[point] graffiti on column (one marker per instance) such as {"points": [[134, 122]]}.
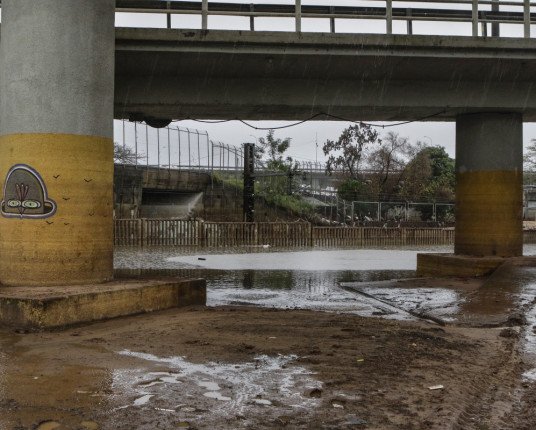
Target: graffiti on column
{"points": [[25, 195]]}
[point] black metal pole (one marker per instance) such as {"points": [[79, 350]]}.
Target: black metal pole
{"points": [[249, 182]]}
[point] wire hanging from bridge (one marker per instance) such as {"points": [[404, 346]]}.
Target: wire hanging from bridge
{"points": [[313, 117]]}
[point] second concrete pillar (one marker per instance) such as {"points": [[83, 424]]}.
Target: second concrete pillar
{"points": [[489, 191]]}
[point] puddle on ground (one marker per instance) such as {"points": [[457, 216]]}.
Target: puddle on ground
{"points": [[206, 393], [305, 260], [308, 280]]}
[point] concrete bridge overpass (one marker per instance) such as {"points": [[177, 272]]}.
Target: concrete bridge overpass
{"points": [[178, 74], [66, 72]]}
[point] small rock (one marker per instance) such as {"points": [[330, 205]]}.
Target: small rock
{"points": [[48, 425], [516, 319], [509, 333], [89, 425], [187, 409], [315, 393], [355, 421]]}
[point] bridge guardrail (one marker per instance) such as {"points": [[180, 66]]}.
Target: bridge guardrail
{"points": [[477, 12]]}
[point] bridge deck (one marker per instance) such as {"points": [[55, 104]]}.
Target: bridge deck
{"points": [[222, 74]]}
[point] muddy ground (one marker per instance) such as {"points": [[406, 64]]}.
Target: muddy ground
{"points": [[232, 368]]}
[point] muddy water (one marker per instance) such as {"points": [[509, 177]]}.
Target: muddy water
{"points": [[279, 279], [308, 279]]}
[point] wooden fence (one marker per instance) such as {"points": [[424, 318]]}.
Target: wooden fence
{"points": [[167, 232], [378, 236], [277, 234]]}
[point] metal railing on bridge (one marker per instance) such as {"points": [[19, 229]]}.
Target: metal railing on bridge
{"points": [[479, 13]]}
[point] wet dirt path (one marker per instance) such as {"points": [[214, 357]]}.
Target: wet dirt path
{"points": [[251, 368]]}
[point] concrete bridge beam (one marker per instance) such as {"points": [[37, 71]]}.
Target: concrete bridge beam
{"points": [[489, 194], [56, 141]]}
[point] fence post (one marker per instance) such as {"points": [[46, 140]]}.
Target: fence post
{"points": [[332, 20], [204, 15], [475, 18], [526, 15], [143, 238], [252, 17], [297, 10], [409, 22], [168, 15], [495, 27], [201, 240], [389, 16]]}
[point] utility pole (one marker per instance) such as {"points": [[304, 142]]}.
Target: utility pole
{"points": [[249, 182]]}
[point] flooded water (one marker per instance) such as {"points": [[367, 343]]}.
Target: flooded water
{"points": [[280, 279], [313, 279]]}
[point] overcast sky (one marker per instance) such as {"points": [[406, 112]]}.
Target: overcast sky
{"points": [[304, 136]]}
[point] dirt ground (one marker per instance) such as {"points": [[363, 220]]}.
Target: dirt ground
{"points": [[231, 368]]}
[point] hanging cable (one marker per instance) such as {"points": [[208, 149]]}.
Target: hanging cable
{"points": [[313, 117]]}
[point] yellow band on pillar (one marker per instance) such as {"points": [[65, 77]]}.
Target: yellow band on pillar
{"points": [[491, 222], [62, 234]]}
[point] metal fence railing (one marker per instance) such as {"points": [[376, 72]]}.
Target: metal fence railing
{"points": [[477, 13], [177, 148], [182, 148]]}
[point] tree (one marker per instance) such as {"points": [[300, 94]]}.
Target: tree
{"points": [[388, 160], [125, 155], [272, 150], [429, 175], [347, 152]]}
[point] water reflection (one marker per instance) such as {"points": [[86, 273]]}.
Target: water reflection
{"points": [[307, 281]]}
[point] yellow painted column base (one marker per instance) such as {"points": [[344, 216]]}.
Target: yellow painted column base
{"points": [[489, 213], [56, 223]]}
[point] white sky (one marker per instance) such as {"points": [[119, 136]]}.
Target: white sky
{"points": [[304, 136]]}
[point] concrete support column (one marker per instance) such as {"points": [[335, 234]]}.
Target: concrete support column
{"points": [[489, 193], [56, 141]]}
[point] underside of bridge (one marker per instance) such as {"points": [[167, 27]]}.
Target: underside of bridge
{"points": [[57, 106], [217, 74]]}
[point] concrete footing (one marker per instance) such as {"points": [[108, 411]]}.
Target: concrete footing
{"points": [[445, 265], [38, 308]]}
